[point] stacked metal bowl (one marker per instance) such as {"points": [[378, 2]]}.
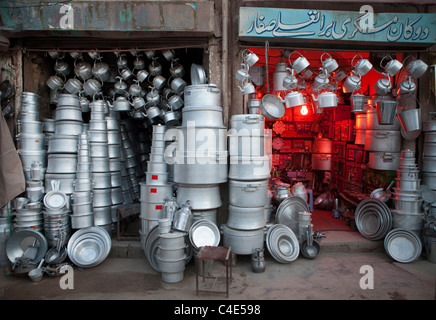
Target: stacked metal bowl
{"points": [[57, 226], [373, 219], [156, 189], [403, 245], [31, 139], [282, 243], [408, 213], [82, 208], [100, 170], [89, 247]]}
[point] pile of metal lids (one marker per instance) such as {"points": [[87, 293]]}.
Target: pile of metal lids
{"points": [[373, 219]]}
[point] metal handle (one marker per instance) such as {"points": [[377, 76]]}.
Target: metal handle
{"points": [[251, 188]]}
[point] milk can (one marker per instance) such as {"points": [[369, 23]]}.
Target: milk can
{"points": [[183, 218], [279, 75]]}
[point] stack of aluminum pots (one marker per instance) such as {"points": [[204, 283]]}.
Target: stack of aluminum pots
{"points": [[130, 155], [429, 159], [408, 213], [82, 208], [248, 182], [31, 139], [101, 176], [200, 162], [63, 145], [114, 148], [171, 255], [156, 189], [126, 181], [383, 142]]}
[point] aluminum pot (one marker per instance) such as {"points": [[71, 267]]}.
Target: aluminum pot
{"points": [[249, 123], [408, 185], [114, 151], [68, 113], [201, 138], [116, 179], [243, 218], [26, 116], [322, 145], [151, 210], [409, 206], [29, 156], [201, 197], [244, 242], [61, 163], [360, 123], [102, 180], [31, 141], [156, 178], [100, 165], [202, 95], [321, 161], [115, 164], [430, 137], [68, 100], [384, 160], [30, 126], [81, 221], [62, 144], [429, 149], [429, 164], [67, 127], [97, 125], [99, 150], [429, 179], [102, 198], [82, 185], [206, 116], [201, 170], [102, 215], [383, 141], [248, 194], [249, 168], [117, 196], [97, 136]]}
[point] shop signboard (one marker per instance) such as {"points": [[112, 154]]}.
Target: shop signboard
{"points": [[366, 26]]}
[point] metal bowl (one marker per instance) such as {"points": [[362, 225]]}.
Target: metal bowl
{"points": [[21, 240]]}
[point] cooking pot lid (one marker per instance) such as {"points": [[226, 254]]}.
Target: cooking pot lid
{"points": [[287, 212], [198, 75]]}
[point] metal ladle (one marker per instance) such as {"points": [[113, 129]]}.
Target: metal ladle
{"points": [[310, 248]]}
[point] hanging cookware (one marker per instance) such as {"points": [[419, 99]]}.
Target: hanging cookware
{"points": [[55, 82], [153, 96], [126, 74], [122, 61], [392, 67], [83, 70], [121, 104], [142, 75], [383, 86], [362, 66], [159, 82], [326, 100], [300, 64], [178, 85], [73, 86], [177, 69], [138, 63], [168, 54], [407, 86], [101, 71], [321, 81], [120, 86], [352, 83], [155, 68], [357, 103], [135, 89], [91, 87], [280, 73], [290, 81], [386, 111], [329, 64], [62, 67], [272, 107], [410, 120], [416, 68]]}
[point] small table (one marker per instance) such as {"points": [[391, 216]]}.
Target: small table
{"points": [[219, 253]]}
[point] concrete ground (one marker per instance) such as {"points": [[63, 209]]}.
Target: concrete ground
{"points": [[336, 274]]}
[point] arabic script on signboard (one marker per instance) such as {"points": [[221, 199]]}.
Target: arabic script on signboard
{"points": [[390, 27]]}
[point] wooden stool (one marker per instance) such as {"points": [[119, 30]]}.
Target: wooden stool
{"points": [[215, 253]]}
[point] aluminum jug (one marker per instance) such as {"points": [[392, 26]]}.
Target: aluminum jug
{"points": [[183, 218], [170, 208]]}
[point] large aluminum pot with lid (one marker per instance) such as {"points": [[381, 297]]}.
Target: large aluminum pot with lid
{"points": [[207, 116], [31, 141], [383, 140], [248, 193], [384, 160], [246, 168], [68, 113], [61, 163], [201, 197], [68, 100], [322, 145], [248, 122], [63, 144], [202, 95], [244, 242], [243, 218]]}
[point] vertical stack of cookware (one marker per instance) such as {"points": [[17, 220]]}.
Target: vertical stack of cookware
{"points": [[63, 145], [101, 176], [248, 184], [126, 181], [57, 226], [429, 156], [200, 160], [360, 127], [130, 154], [383, 142], [408, 213], [114, 149], [171, 256], [156, 189], [31, 140], [82, 208]]}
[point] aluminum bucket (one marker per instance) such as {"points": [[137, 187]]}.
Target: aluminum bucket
{"points": [[386, 111], [410, 120]]}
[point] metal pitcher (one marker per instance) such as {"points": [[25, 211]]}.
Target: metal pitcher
{"points": [[183, 218]]}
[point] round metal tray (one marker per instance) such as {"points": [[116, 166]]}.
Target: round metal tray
{"points": [[204, 233]]}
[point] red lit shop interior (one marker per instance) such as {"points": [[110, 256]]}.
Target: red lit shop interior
{"points": [[329, 137]]}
